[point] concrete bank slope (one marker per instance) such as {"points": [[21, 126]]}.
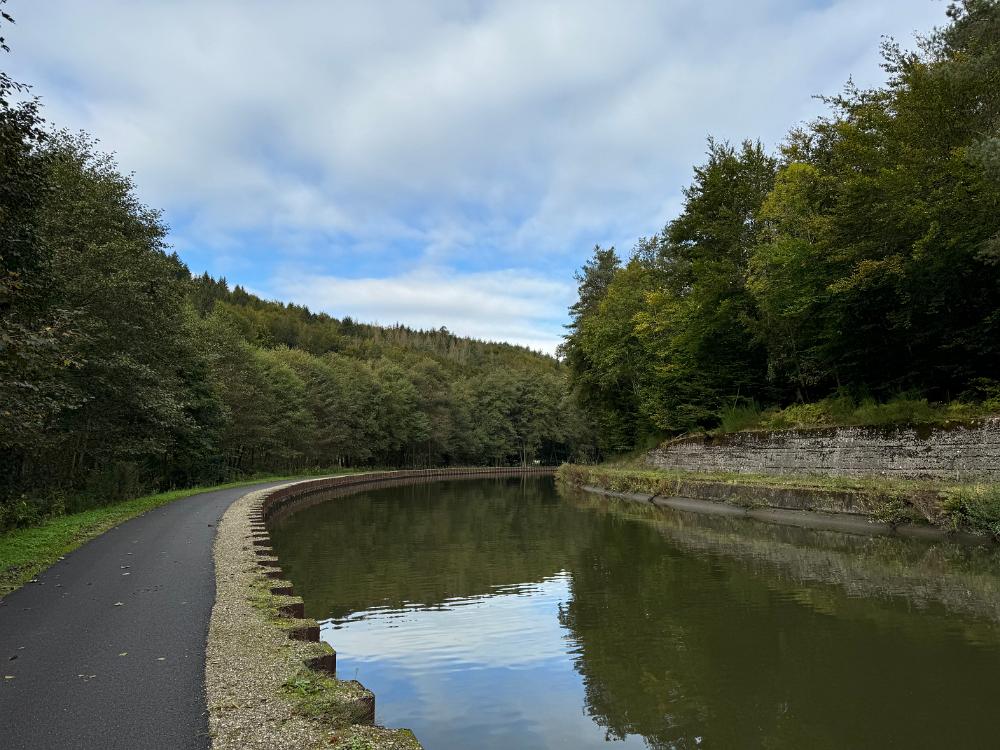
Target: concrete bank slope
{"points": [[967, 513], [271, 685], [107, 649]]}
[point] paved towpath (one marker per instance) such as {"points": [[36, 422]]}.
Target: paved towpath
{"points": [[107, 650]]}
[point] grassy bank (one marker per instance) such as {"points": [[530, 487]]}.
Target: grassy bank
{"points": [[846, 411], [26, 552], [971, 508]]}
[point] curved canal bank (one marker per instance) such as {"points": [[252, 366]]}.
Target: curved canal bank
{"points": [[964, 512], [270, 682]]}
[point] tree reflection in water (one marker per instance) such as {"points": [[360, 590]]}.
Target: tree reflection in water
{"points": [[501, 605]]}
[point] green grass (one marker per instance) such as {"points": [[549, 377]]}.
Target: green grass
{"points": [[26, 552], [362, 737], [326, 699], [743, 416], [975, 507], [838, 411]]}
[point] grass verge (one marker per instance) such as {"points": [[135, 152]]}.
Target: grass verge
{"points": [[26, 552]]}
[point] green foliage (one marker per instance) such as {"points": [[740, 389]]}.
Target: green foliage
{"points": [[975, 508], [604, 381], [844, 410], [860, 260], [335, 702], [661, 345], [120, 374], [739, 416]]}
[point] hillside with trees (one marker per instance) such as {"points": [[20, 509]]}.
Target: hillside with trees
{"points": [[121, 373], [859, 262]]}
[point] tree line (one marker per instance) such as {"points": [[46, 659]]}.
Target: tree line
{"points": [[862, 258], [121, 373]]}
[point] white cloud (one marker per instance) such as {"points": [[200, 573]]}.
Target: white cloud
{"points": [[508, 305], [473, 134], [406, 636]]}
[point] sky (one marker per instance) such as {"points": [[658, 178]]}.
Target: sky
{"points": [[433, 163]]}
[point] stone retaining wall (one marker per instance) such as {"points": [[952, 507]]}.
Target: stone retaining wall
{"points": [[955, 452]]}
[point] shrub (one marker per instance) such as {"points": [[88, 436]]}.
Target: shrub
{"points": [[975, 508], [743, 415]]}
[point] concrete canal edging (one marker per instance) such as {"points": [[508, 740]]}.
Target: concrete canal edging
{"points": [[270, 683], [911, 509], [851, 523]]}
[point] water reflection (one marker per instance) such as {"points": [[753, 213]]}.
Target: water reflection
{"points": [[958, 577], [467, 671], [496, 614]]}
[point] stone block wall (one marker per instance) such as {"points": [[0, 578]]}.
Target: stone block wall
{"points": [[955, 452]]}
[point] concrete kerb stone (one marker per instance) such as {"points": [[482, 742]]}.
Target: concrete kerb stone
{"points": [[302, 629], [289, 606], [325, 663], [282, 588]]}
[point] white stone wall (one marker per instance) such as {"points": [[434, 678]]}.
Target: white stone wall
{"points": [[970, 451]]}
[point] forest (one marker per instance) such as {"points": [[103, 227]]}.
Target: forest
{"points": [[860, 263], [121, 373]]}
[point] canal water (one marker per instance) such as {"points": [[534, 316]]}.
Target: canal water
{"points": [[516, 614]]}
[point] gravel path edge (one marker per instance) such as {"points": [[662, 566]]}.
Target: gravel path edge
{"points": [[270, 684]]}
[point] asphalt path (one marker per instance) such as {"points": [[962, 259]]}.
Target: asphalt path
{"points": [[107, 649]]}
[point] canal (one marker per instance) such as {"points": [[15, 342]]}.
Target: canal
{"points": [[514, 613]]}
